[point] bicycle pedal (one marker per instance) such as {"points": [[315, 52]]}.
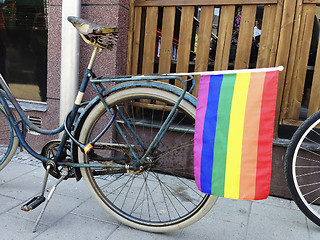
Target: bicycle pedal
{"points": [[33, 203]]}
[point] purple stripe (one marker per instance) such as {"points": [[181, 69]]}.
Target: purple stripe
{"points": [[209, 133], [200, 117]]}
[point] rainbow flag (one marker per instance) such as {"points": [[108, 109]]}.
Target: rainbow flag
{"points": [[234, 132]]}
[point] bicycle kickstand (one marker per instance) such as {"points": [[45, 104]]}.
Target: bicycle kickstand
{"points": [[64, 174], [36, 201]]}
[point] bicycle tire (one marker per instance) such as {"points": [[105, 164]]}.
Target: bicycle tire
{"points": [[8, 140], [175, 192], [302, 167]]}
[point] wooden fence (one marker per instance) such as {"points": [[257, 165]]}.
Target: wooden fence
{"points": [[186, 35]]}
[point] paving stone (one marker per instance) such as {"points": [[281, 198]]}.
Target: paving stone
{"points": [[123, 232], [14, 170], [58, 207], [278, 213], [265, 226], [15, 228], [92, 209], [7, 203], [76, 227], [73, 214]]}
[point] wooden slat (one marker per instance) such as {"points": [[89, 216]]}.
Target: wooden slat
{"points": [[301, 62], [204, 39], [247, 22], [224, 37], [283, 51], [168, 21], [291, 60], [136, 40], [150, 40], [185, 35], [295, 123], [130, 37], [166, 39], [163, 3], [311, 1], [158, 107], [276, 33], [267, 31], [314, 104]]}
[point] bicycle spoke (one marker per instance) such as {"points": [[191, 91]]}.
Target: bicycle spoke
{"points": [[312, 152], [164, 199], [312, 141], [108, 184], [174, 193], [163, 189], [308, 174], [309, 184], [315, 200], [125, 198], [308, 193], [136, 201], [148, 189], [307, 167], [176, 148]]}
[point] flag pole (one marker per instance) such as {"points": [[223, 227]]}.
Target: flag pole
{"points": [[280, 68]]}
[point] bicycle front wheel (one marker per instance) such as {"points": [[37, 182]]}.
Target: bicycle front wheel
{"points": [[161, 195], [8, 140], [302, 167]]}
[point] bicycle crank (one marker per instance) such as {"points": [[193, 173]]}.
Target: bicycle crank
{"points": [[50, 150]]}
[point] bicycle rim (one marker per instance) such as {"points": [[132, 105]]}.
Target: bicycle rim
{"points": [[303, 168], [163, 196]]}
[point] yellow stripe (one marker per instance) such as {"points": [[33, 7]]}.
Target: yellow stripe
{"points": [[233, 161]]}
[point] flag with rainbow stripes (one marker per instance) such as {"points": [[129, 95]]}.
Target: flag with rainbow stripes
{"points": [[233, 133]]}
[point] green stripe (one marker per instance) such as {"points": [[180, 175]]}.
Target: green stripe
{"points": [[221, 138]]}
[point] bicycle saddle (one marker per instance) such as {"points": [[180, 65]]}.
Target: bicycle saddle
{"points": [[95, 34]]}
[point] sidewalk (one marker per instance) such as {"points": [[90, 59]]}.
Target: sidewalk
{"points": [[73, 214]]}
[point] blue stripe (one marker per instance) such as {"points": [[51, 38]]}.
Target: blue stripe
{"points": [[209, 132]]}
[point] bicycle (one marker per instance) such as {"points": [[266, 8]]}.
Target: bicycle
{"points": [[130, 144], [302, 168]]}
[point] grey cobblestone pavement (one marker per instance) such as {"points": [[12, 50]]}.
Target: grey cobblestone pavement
{"points": [[73, 214]]}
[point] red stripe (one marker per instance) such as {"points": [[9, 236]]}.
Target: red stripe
{"points": [[266, 135]]}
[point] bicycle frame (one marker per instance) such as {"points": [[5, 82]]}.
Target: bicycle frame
{"points": [[129, 81], [21, 133]]}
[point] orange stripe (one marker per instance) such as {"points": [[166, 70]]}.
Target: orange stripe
{"points": [[250, 137]]}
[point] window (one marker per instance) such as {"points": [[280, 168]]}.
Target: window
{"points": [[23, 47]]}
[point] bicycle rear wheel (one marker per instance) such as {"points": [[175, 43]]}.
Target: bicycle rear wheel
{"points": [[8, 140], [302, 167], [162, 195]]}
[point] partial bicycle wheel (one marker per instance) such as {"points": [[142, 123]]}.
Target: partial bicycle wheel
{"points": [[302, 167], [161, 195], [8, 140]]}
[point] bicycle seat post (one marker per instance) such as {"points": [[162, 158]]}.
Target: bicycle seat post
{"points": [[96, 50]]}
